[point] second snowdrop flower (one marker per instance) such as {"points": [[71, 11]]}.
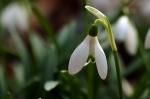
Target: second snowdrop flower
{"points": [[127, 33], [90, 47], [15, 16]]}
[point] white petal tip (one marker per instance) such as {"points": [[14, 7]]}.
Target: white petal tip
{"points": [[132, 50], [103, 73], [72, 72], [101, 61], [103, 77]]}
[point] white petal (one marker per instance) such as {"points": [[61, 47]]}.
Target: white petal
{"points": [[147, 40], [15, 16], [131, 40], [120, 28], [126, 32], [49, 85], [86, 63], [127, 87], [79, 56], [101, 61]]}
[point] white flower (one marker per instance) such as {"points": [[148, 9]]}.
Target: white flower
{"points": [[126, 32], [127, 88], [147, 40], [15, 16], [89, 47]]}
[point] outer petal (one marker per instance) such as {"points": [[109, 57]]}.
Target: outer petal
{"points": [[120, 28], [147, 40], [131, 40], [101, 61], [15, 16], [79, 56]]}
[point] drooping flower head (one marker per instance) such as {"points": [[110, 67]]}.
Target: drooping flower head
{"points": [[126, 32], [89, 47], [103, 20], [15, 16]]}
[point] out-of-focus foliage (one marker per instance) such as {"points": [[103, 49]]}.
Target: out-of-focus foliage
{"points": [[35, 67]]}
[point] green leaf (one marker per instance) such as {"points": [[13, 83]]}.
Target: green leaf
{"points": [[46, 26], [51, 62], [38, 48], [66, 33], [22, 52], [43, 21], [3, 84], [9, 96]]}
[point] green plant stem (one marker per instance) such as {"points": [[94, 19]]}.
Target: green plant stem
{"points": [[116, 58], [108, 28], [90, 81], [102, 19]]}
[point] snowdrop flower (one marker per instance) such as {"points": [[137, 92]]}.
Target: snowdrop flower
{"points": [[90, 47], [15, 16], [127, 88], [126, 32], [147, 40]]}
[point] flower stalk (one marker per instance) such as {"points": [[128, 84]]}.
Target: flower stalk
{"points": [[107, 25], [102, 19], [90, 81], [116, 58]]}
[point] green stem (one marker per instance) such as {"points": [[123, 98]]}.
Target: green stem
{"points": [[108, 28], [116, 58], [90, 81], [110, 35]]}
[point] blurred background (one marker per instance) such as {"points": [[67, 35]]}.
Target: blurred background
{"points": [[37, 38]]}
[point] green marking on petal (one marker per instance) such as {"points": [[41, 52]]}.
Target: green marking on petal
{"points": [[91, 59]]}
